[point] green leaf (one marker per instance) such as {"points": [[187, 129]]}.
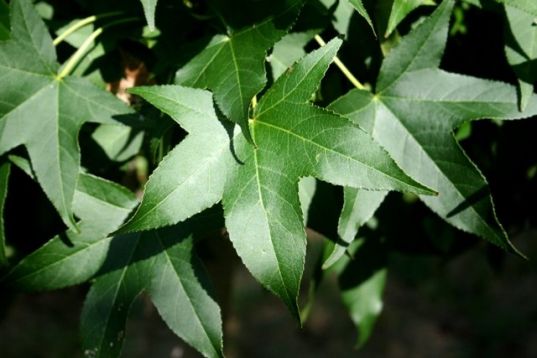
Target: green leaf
{"points": [[4, 20], [5, 168], [529, 6], [414, 112], [287, 51], [149, 12], [163, 264], [71, 258], [362, 280], [358, 207], [44, 113], [359, 6], [233, 65], [120, 143], [521, 50], [258, 184], [400, 9]]}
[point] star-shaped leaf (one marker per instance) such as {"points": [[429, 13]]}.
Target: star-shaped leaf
{"points": [[159, 262], [163, 264], [73, 257], [413, 113], [43, 112], [258, 184], [233, 65]]}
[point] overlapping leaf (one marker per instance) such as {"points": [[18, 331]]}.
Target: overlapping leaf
{"points": [[73, 257], [258, 184], [233, 65], [362, 279], [163, 264], [159, 262], [413, 113], [521, 50], [41, 111]]}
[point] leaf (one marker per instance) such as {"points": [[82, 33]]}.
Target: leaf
{"points": [[529, 6], [233, 65], [5, 168], [162, 263], [359, 6], [413, 114], [71, 258], [362, 280], [287, 51], [400, 9], [358, 207], [44, 113], [258, 184], [120, 143], [4, 20], [521, 50], [149, 12]]}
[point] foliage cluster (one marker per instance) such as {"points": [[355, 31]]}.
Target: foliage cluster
{"points": [[242, 124]]}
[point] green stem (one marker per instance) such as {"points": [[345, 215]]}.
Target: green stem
{"points": [[80, 24], [342, 66], [81, 51]]}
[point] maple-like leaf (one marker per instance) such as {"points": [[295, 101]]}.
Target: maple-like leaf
{"points": [[258, 184], [232, 66], [44, 112], [413, 113], [73, 257], [161, 263]]}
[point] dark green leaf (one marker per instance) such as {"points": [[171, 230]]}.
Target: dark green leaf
{"points": [[362, 279], [163, 264], [73, 257], [358, 207], [45, 113], [259, 184], [233, 65]]}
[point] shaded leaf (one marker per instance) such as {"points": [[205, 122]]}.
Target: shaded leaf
{"points": [[358, 207], [233, 65], [163, 264], [73, 257], [414, 112], [521, 50], [362, 279], [359, 6], [28, 64]]}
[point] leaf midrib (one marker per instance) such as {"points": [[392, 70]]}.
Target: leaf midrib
{"points": [[307, 140]]}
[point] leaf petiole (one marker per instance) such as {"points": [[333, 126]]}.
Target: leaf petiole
{"points": [[80, 24], [342, 66], [81, 51]]}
